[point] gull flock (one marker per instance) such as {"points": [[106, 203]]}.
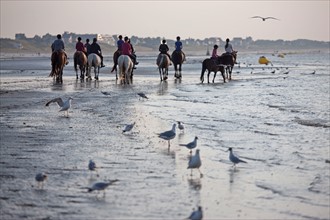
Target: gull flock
{"points": [[194, 162]]}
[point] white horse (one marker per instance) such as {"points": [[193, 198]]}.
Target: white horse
{"points": [[94, 61], [163, 62], [125, 65]]}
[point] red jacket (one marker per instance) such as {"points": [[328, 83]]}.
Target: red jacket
{"points": [[80, 46]]}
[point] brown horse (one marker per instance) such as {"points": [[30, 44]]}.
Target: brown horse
{"points": [[212, 65], [229, 60], [177, 59], [163, 62], [58, 62], [80, 60], [115, 61]]}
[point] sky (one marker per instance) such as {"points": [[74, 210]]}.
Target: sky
{"points": [[306, 19]]}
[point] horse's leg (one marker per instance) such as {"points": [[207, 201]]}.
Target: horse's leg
{"points": [[215, 74], [223, 74], [97, 73], [202, 75], [180, 75], [230, 71], [208, 76], [160, 74]]}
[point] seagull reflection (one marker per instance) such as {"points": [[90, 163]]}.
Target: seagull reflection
{"points": [[195, 183]]}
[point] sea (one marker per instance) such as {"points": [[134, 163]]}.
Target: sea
{"points": [[276, 117]]}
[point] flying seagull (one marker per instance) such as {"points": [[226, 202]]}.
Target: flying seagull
{"points": [[65, 106], [265, 18]]}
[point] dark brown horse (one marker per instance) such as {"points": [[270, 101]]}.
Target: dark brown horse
{"points": [[212, 65], [229, 60], [80, 60], [58, 62], [177, 59], [115, 61]]}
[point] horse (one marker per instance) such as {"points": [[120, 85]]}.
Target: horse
{"points": [[229, 60], [80, 59], [177, 59], [94, 61], [212, 65], [125, 65], [58, 62], [116, 54], [163, 62]]}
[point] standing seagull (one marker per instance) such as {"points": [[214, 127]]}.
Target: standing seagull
{"points": [[233, 158], [128, 127], [168, 135], [40, 178], [142, 95], [265, 18], [65, 106], [195, 162], [92, 166], [197, 215], [101, 186], [191, 145], [180, 125]]}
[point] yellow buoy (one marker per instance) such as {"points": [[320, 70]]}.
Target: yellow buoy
{"points": [[263, 60]]}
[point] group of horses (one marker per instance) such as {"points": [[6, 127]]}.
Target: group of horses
{"points": [[163, 63], [80, 60], [223, 63]]}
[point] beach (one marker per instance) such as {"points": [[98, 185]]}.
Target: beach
{"points": [[279, 123]]}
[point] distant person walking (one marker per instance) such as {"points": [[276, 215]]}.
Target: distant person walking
{"points": [[95, 48], [58, 45]]}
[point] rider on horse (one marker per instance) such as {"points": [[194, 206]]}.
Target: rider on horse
{"points": [[178, 47], [95, 48], [87, 47], [127, 50], [163, 49], [229, 49], [58, 45], [80, 46]]}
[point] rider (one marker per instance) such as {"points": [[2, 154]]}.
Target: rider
{"points": [[58, 45], [229, 49], [163, 49], [95, 48], [80, 46], [87, 47], [120, 42], [215, 52], [127, 50], [178, 47]]}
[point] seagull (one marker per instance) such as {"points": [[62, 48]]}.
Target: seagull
{"points": [[195, 162], [100, 186], [180, 125], [91, 165], [40, 178], [65, 106], [191, 145], [105, 93], [168, 135], [197, 215], [141, 94], [233, 158], [264, 18], [128, 127]]}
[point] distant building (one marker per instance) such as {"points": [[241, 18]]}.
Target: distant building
{"points": [[20, 36]]}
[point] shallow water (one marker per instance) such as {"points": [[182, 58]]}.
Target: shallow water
{"points": [[279, 123]]}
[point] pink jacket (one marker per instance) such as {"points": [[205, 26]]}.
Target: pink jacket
{"points": [[126, 49]]}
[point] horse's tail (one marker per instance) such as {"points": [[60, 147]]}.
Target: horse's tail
{"points": [[203, 70]]}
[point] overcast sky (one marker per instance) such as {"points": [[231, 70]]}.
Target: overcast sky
{"points": [[307, 19]]}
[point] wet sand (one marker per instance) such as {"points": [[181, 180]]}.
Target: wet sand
{"points": [[154, 182]]}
